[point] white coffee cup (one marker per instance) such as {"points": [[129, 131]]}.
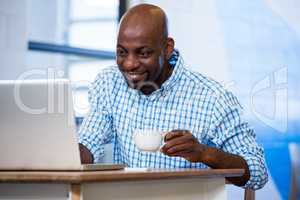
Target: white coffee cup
{"points": [[148, 140]]}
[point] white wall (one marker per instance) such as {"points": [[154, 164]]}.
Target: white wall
{"points": [[24, 20], [13, 37], [288, 10]]}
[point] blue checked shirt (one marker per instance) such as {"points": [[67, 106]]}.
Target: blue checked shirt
{"points": [[187, 100]]}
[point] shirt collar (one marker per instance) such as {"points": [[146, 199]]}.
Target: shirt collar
{"points": [[176, 62]]}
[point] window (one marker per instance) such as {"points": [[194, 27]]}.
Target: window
{"points": [[92, 24]]}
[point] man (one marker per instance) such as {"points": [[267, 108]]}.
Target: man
{"points": [[151, 88]]}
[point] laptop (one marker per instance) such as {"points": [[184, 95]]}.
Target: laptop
{"points": [[37, 127]]}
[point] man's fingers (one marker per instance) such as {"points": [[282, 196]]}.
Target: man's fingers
{"points": [[177, 141], [171, 135], [175, 133], [185, 147], [183, 154]]}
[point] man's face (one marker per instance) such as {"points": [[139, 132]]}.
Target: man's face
{"points": [[140, 57]]}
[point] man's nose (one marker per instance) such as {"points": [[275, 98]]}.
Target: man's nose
{"points": [[130, 63]]}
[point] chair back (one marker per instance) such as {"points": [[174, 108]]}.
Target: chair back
{"points": [[249, 194], [294, 149]]}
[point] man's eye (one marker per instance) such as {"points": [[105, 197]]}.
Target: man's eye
{"points": [[145, 54], [121, 53]]}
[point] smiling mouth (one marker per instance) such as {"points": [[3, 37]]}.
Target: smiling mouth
{"points": [[135, 76]]}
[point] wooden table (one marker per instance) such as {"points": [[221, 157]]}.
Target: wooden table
{"points": [[118, 184]]}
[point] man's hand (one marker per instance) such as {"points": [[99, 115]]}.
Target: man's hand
{"points": [[85, 155], [182, 143]]}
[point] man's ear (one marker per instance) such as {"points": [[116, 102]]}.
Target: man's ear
{"points": [[169, 47]]}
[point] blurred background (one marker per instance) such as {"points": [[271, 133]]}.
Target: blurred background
{"points": [[251, 47]]}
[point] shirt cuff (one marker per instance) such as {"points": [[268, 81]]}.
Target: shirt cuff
{"points": [[95, 150], [258, 173]]}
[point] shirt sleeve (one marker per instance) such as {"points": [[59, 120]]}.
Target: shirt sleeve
{"points": [[233, 135], [96, 128]]}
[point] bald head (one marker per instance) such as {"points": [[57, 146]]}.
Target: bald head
{"points": [[148, 18]]}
